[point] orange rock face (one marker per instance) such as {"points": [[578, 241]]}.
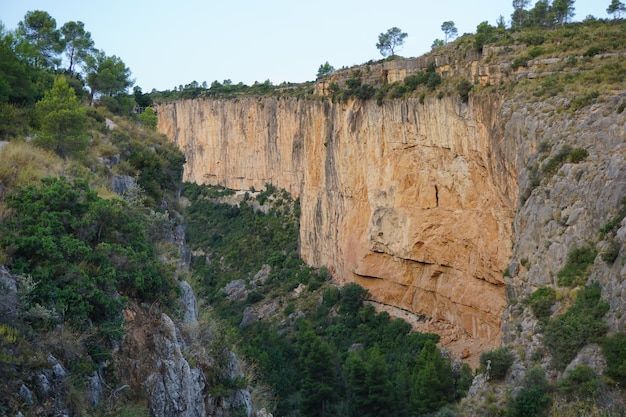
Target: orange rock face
{"points": [[412, 201]]}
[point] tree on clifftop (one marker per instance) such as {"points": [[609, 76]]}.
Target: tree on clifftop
{"points": [[616, 8], [325, 69], [449, 29], [389, 41]]}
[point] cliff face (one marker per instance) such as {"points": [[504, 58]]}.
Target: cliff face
{"points": [[413, 201]]}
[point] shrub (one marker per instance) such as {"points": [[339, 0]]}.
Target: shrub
{"points": [[614, 350], [519, 62], [577, 155], [532, 400], [535, 52], [581, 383], [541, 302], [575, 270], [497, 362], [583, 101], [463, 88], [583, 323], [611, 253]]}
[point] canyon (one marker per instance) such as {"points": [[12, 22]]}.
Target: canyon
{"points": [[412, 201], [428, 202]]}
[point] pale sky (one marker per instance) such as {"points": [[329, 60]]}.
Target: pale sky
{"points": [[167, 43]]}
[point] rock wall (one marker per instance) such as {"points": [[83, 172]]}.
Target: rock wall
{"points": [[413, 201]]}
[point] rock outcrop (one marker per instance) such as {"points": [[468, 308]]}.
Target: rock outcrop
{"points": [[413, 201]]}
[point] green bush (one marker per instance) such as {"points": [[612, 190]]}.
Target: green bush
{"points": [[581, 383], [612, 252], [519, 62], [583, 101], [86, 254], [533, 398], [541, 302], [535, 52], [575, 271], [496, 362], [583, 323], [614, 350], [463, 88]]}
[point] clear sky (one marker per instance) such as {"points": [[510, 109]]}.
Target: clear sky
{"points": [[167, 43]]}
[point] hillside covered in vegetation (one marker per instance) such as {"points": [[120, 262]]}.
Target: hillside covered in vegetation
{"points": [[100, 239]]}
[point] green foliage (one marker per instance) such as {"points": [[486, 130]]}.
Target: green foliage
{"points": [[61, 120], [78, 44], [541, 302], [433, 382], [148, 118], [533, 399], [429, 78], [519, 62], [82, 252], [580, 384], [610, 254], [389, 41], [575, 271], [39, 39], [565, 154], [106, 75], [464, 87], [496, 362], [325, 69], [341, 356], [614, 350], [584, 101], [583, 323], [485, 33], [449, 29]]}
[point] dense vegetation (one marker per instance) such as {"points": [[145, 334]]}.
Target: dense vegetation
{"points": [[79, 249], [75, 248], [330, 357]]}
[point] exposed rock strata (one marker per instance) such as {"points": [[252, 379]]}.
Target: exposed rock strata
{"points": [[413, 201]]}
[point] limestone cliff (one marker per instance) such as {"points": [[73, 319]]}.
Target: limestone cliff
{"points": [[413, 201]]}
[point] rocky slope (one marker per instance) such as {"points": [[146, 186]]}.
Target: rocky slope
{"points": [[418, 200]]}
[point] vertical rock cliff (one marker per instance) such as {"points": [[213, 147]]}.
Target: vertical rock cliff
{"points": [[413, 201]]}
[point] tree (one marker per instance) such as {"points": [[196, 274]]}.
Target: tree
{"points": [[78, 43], [148, 118], [389, 41], [318, 372], [325, 69], [61, 120], [616, 8], [541, 14], [142, 100], [519, 13], [563, 10], [484, 35], [40, 40], [449, 30], [436, 44], [433, 381], [107, 75]]}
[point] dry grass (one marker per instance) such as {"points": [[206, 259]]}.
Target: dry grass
{"points": [[22, 164]]}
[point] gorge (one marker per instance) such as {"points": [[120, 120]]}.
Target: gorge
{"points": [[412, 201]]}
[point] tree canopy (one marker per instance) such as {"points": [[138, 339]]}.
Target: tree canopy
{"points": [[61, 120], [449, 29], [78, 43], [616, 8], [40, 40], [325, 69], [107, 75], [389, 41]]}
